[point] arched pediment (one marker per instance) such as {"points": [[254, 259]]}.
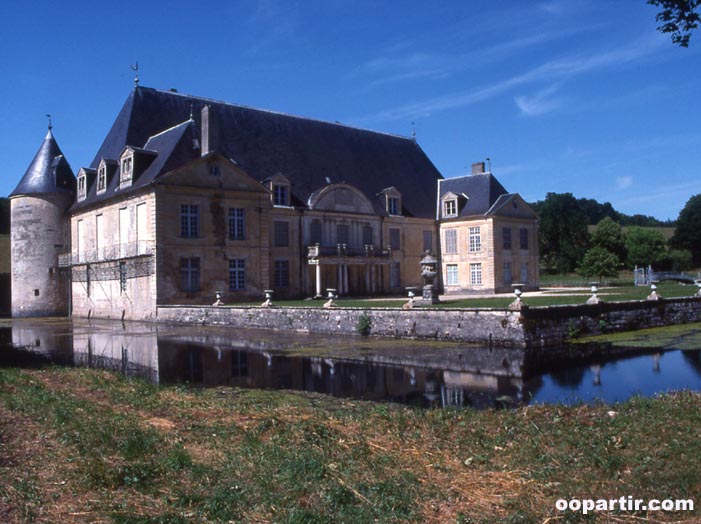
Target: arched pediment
{"points": [[340, 197]]}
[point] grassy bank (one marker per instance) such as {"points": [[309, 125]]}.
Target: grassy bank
{"points": [[86, 446]]}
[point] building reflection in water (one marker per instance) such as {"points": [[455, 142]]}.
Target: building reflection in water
{"points": [[430, 376], [457, 377]]}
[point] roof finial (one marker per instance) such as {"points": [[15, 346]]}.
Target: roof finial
{"points": [[136, 77], [49, 117], [489, 165], [413, 131], [192, 110]]}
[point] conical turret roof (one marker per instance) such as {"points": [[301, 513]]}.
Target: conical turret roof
{"points": [[49, 172]]}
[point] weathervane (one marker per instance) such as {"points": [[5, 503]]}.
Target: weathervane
{"points": [[49, 117], [413, 131], [136, 69]]}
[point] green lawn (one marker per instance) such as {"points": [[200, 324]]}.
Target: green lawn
{"points": [[559, 296]]}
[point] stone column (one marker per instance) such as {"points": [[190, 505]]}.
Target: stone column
{"points": [[345, 278], [318, 279], [339, 278]]}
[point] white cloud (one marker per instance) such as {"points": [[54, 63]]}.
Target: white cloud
{"points": [[560, 69], [540, 103], [624, 182]]}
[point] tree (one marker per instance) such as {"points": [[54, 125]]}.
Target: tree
{"points": [[646, 247], [599, 262], [678, 17], [609, 236], [562, 231], [687, 235], [679, 259]]}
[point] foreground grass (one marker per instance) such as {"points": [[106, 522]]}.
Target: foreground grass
{"points": [[86, 446]]}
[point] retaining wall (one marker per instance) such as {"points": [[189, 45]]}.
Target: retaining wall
{"points": [[531, 327]]}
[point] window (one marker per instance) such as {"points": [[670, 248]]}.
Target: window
{"points": [[393, 206], [523, 237], [189, 221], [367, 236], [101, 179], [214, 171], [476, 274], [451, 241], [239, 364], [475, 243], [237, 274], [122, 277], [281, 276], [342, 234], [280, 195], [394, 242], [127, 165], [451, 274], [190, 274], [237, 223], [428, 241], [81, 187], [450, 208], [99, 236], [315, 236], [395, 274], [281, 232], [506, 238], [508, 278], [524, 272]]}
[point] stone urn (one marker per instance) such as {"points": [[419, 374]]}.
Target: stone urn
{"points": [[429, 272]]}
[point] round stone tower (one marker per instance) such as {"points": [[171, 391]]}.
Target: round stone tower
{"points": [[39, 231]]}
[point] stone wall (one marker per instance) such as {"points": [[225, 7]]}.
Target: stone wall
{"points": [[534, 328], [500, 326]]}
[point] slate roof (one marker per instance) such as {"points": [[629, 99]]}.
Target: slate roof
{"points": [[482, 190], [266, 143], [49, 172]]}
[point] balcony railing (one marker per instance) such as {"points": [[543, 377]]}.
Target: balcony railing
{"points": [[143, 248], [343, 250]]}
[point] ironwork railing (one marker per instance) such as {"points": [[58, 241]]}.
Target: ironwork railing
{"points": [[142, 248], [343, 250]]}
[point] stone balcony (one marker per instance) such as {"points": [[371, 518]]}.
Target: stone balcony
{"points": [[143, 248], [343, 250]]}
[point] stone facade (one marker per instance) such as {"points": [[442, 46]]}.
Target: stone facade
{"points": [[39, 233], [174, 211]]}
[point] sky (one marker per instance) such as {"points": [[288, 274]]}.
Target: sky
{"points": [[561, 95]]}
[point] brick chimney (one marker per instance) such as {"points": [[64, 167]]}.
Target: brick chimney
{"points": [[478, 168], [210, 134]]}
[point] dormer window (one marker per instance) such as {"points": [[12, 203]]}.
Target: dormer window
{"points": [[450, 208], [101, 179], [392, 205], [82, 187], [280, 195], [127, 168], [393, 201]]}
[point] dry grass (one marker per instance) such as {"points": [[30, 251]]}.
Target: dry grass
{"points": [[85, 446]]}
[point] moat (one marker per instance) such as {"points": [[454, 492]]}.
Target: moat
{"points": [[420, 373]]}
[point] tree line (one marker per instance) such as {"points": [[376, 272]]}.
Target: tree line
{"points": [[618, 241]]}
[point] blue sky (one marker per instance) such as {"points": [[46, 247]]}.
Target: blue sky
{"points": [[585, 97]]}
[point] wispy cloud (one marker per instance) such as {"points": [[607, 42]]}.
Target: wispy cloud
{"points": [[624, 182], [553, 70], [400, 62], [540, 103], [273, 22]]}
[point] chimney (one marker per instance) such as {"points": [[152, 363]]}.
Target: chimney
{"points": [[210, 136], [478, 168]]}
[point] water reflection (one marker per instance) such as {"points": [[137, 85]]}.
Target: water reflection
{"points": [[416, 373]]}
